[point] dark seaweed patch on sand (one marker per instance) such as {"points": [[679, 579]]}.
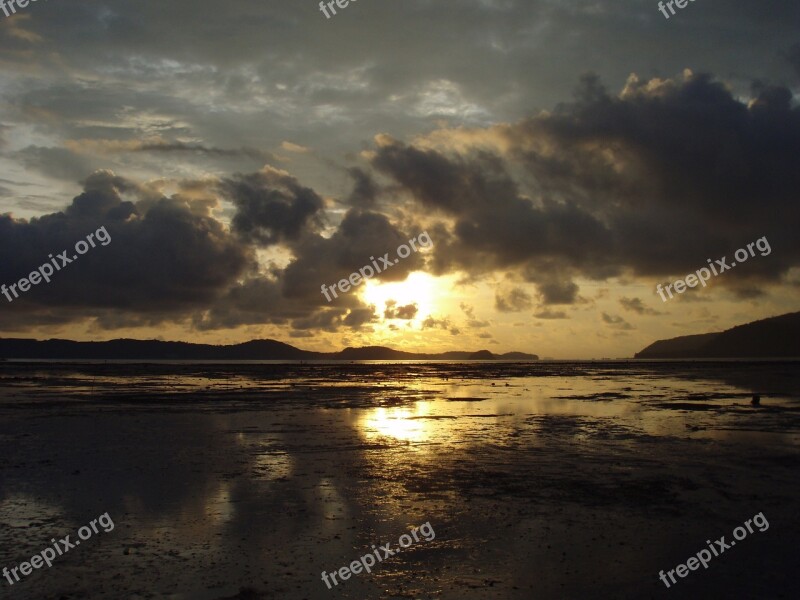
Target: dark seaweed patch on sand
{"points": [[601, 396], [466, 399], [687, 406], [431, 417]]}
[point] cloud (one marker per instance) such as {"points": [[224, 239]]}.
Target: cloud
{"points": [[642, 183], [272, 206], [171, 261], [260, 300], [793, 56], [407, 312], [444, 323], [58, 163], [361, 237], [636, 305], [159, 145], [163, 260], [472, 322], [649, 182], [329, 320], [555, 291], [497, 226], [297, 148], [358, 317], [617, 322], [514, 300], [4, 129], [550, 314], [686, 155], [13, 28], [365, 190], [292, 295]]}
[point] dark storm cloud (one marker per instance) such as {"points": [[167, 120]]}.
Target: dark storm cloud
{"points": [[292, 295], [361, 237], [162, 259], [258, 300], [272, 206], [681, 165], [331, 320], [557, 291], [359, 317], [365, 189], [169, 260], [261, 300], [652, 181], [496, 226]]}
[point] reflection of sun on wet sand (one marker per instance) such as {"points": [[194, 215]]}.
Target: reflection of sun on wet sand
{"points": [[259, 476], [397, 423]]}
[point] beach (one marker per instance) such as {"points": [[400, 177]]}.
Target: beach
{"points": [[540, 480]]}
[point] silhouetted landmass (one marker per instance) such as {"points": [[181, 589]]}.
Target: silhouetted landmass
{"points": [[776, 337], [517, 356], [687, 346], [124, 349]]}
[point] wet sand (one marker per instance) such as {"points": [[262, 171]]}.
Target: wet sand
{"points": [[541, 480]]}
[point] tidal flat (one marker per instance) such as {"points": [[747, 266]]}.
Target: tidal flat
{"points": [[541, 480]]}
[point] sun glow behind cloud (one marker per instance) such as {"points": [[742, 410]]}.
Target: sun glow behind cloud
{"points": [[420, 289]]}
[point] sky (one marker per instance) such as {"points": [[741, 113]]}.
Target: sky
{"points": [[563, 157]]}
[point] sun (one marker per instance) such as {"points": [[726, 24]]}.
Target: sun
{"points": [[418, 288]]}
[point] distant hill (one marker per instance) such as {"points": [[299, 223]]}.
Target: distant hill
{"points": [[776, 337], [686, 346], [124, 349]]}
